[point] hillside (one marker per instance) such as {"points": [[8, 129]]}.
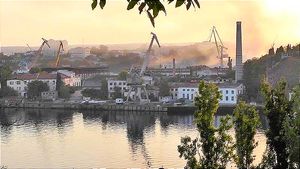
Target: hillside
{"points": [[288, 69]]}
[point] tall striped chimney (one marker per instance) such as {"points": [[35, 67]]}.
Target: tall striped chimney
{"points": [[239, 53]]}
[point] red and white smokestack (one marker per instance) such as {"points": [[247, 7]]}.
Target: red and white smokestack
{"points": [[174, 68]]}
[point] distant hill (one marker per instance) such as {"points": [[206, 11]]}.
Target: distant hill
{"points": [[284, 62]]}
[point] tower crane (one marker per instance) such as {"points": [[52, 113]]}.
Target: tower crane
{"points": [[60, 48], [219, 45], [135, 80]]}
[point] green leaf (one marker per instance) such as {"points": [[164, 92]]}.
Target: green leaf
{"points": [[162, 8], [179, 3], [94, 4], [197, 3], [151, 18], [155, 11], [102, 3], [141, 7], [188, 5], [131, 4]]}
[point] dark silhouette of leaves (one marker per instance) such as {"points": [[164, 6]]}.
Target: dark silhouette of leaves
{"points": [[151, 7]]}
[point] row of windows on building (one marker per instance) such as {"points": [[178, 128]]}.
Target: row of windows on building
{"points": [[122, 88], [187, 96], [120, 83], [226, 91], [25, 82]]}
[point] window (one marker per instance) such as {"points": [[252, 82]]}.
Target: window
{"points": [[187, 96], [232, 98], [226, 98], [183, 89], [124, 83], [192, 96], [172, 89], [176, 89], [110, 83], [110, 88], [11, 82], [175, 94], [232, 91], [124, 88], [115, 83], [192, 90], [18, 82], [183, 95], [188, 90], [120, 83], [226, 91]]}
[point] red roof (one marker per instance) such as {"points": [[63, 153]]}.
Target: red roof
{"points": [[36, 76]]}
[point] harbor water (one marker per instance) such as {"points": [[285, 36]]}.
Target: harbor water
{"points": [[65, 139]]}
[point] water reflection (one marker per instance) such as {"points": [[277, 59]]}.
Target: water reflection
{"points": [[65, 137]]}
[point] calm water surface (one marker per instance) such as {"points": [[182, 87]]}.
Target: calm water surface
{"points": [[58, 139]]}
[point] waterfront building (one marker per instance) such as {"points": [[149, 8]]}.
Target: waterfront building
{"points": [[69, 78], [229, 91], [19, 82], [112, 84], [204, 71]]}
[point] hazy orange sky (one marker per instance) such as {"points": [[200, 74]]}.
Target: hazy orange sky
{"points": [[263, 21]]}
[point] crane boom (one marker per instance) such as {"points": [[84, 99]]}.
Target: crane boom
{"points": [[61, 47], [147, 57], [219, 45]]}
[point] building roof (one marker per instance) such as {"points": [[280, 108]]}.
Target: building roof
{"points": [[195, 85], [36, 76]]}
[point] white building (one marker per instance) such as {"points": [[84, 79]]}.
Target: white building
{"points": [[79, 52], [230, 92], [112, 84], [19, 82], [69, 78]]}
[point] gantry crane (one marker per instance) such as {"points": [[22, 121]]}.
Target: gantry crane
{"points": [[60, 48], [219, 45], [135, 80], [38, 52]]}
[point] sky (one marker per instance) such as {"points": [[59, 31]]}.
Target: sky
{"points": [[264, 22]]}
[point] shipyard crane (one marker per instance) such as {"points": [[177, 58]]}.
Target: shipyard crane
{"points": [[30, 50], [60, 48], [135, 80], [219, 45], [38, 52]]}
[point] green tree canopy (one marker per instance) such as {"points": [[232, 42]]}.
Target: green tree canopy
{"points": [[151, 7], [164, 88], [292, 130], [246, 121], [5, 74], [123, 75], [7, 91], [35, 88], [35, 70], [277, 108], [215, 144]]}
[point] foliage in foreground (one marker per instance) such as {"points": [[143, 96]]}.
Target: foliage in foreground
{"points": [[151, 7], [277, 108], [291, 130], [246, 121], [215, 144]]}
